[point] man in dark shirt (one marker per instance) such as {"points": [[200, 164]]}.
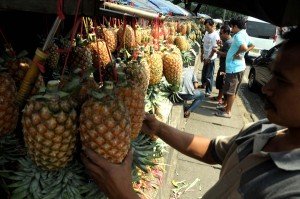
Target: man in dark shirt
{"points": [[262, 161], [224, 45]]}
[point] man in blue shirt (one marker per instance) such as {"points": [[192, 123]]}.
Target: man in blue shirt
{"points": [[235, 63]]}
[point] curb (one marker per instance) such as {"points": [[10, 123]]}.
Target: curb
{"points": [[174, 120]]}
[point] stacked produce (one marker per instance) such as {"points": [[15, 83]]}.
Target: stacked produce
{"points": [[99, 85]]}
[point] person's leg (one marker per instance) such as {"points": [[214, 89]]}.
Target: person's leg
{"points": [[186, 97], [203, 75], [198, 99], [210, 77], [230, 100], [236, 80], [229, 91], [219, 86]]}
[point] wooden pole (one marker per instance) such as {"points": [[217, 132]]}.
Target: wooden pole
{"points": [[134, 11]]}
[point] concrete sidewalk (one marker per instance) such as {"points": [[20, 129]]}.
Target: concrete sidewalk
{"points": [[190, 171]]}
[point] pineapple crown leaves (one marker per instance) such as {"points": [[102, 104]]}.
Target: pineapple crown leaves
{"points": [[52, 92], [92, 191], [32, 182], [76, 79], [10, 149], [154, 98], [106, 91], [187, 57], [145, 151], [80, 41]]}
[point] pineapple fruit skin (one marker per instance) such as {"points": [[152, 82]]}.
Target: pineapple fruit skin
{"points": [[8, 104], [126, 38], [172, 68], [49, 129], [110, 37], [100, 53], [156, 68], [133, 98], [105, 127]]}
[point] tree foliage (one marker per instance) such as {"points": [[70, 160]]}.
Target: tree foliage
{"points": [[214, 12]]}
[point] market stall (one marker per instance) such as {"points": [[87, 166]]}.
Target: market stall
{"points": [[83, 74]]}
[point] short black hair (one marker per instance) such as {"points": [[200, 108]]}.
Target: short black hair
{"points": [[293, 35], [209, 21], [225, 29], [239, 21]]}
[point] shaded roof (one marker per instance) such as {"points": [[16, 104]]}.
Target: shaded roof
{"points": [[280, 13]]}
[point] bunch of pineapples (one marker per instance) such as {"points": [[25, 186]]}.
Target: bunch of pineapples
{"points": [[9, 109]]}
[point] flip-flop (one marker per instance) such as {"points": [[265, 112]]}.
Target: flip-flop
{"points": [[221, 109], [220, 106], [222, 114], [215, 99]]}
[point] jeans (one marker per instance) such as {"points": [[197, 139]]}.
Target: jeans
{"points": [[198, 98], [207, 76]]}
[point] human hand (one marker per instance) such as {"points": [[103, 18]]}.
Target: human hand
{"points": [[219, 43], [151, 125], [114, 180], [237, 56], [222, 73], [207, 61], [215, 49]]}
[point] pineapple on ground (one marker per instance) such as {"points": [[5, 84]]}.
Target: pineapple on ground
{"points": [[172, 67], [105, 124], [8, 106], [49, 124], [133, 96]]}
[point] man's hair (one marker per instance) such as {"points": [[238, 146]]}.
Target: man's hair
{"points": [[293, 36], [239, 21], [209, 21], [225, 29]]}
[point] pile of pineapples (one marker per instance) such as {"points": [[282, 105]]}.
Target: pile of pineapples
{"points": [[90, 99]]}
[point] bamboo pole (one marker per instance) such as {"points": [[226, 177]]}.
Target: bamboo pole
{"points": [[33, 72], [134, 11]]}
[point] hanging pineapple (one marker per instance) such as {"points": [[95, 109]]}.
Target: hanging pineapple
{"points": [[133, 96], [172, 67], [105, 124], [49, 125], [100, 53], [8, 106], [53, 58], [126, 37], [110, 36], [182, 43], [156, 67], [80, 55]]}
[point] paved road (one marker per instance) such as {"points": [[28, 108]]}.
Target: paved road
{"points": [[253, 102]]}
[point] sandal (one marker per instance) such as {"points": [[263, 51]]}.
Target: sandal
{"points": [[216, 99], [222, 114], [187, 114], [221, 109]]}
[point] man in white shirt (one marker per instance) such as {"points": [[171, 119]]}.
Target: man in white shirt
{"points": [[208, 56]]}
